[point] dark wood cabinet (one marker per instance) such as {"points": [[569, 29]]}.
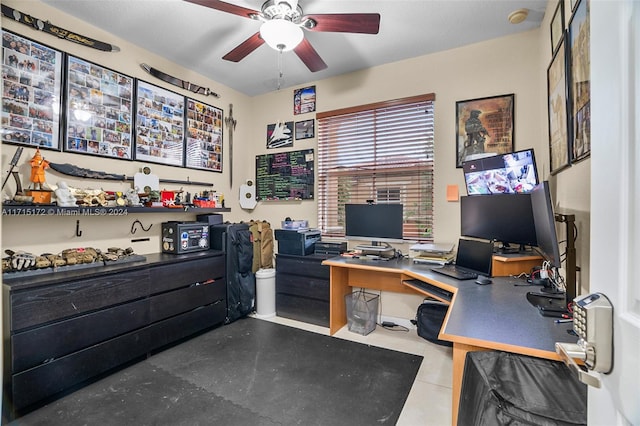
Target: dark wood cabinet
{"points": [[302, 288], [67, 328]]}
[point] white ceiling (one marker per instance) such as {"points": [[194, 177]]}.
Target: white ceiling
{"points": [[197, 37]]}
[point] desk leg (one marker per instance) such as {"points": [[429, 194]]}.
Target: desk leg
{"points": [[459, 355], [339, 288]]}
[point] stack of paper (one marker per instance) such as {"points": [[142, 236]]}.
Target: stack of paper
{"points": [[434, 253]]}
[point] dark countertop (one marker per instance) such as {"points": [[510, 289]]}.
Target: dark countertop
{"points": [[20, 281], [496, 316]]}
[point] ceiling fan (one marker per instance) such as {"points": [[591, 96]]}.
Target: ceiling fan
{"points": [[282, 28]]}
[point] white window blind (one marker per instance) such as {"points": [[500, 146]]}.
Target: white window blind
{"points": [[381, 152]]}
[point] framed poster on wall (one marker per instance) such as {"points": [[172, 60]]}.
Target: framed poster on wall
{"points": [[31, 88], [159, 125], [580, 82], [557, 26], [304, 100], [557, 105], [204, 136], [99, 110], [484, 127]]}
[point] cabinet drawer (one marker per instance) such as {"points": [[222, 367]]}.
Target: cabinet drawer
{"points": [[35, 384], [53, 341], [178, 301], [302, 265], [56, 302], [176, 275], [181, 326], [302, 286], [303, 309]]}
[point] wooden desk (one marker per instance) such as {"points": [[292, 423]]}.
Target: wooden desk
{"points": [[504, 265], [489, 317]]}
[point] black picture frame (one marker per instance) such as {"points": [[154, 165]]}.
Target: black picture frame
{"points": [[305, 129], [280, 135], [99, 110], [484, 127], [557, 26], [574, 3], [557, 96], [159, 129], [580, 82], [32, 79], [204, 136]]}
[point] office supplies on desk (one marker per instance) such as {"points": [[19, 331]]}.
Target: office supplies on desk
{"points": [[473, 258]]}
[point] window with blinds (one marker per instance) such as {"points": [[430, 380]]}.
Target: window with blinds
{"points": [[381, 152]]}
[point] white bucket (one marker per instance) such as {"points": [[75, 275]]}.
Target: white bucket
{"points": [[266, 293]]}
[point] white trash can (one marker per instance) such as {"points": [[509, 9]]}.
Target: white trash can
{"points": [[266, 293]]}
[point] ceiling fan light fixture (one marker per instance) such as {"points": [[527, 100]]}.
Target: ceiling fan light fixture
{"points": [[281, 35]]}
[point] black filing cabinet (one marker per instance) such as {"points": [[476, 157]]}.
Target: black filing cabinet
{"points": [[302, 288]]}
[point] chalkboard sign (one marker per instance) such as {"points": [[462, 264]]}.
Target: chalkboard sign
{"points": [[285, 176]]}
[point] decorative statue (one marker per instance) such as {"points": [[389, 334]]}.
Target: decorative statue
{"points": [[64, 196], [133, 199], [38, 166]]}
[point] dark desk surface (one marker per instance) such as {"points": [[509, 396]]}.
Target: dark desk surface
{"points": [[495, 316]]}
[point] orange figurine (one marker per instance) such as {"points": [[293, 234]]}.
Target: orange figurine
{"points": [[38, 166]]}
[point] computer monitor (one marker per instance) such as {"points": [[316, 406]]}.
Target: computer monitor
{"points": [[545, 224], [504, 218], [378, 223], [514, 172]]}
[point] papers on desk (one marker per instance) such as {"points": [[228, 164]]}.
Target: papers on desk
{"points": [[439, 254], [433, 247], [436, 260]]}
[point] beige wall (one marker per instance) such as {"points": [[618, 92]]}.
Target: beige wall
{"points": [[515, 64], [52, 234]]}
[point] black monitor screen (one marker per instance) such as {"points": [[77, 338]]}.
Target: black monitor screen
{"points": [[506, 218], [374, 222], [545, 223], [501, 174]]}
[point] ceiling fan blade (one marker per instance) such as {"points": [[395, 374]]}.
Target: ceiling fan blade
{"points": [[309, 56], [244, 48], [225, 7], [363, 23]]}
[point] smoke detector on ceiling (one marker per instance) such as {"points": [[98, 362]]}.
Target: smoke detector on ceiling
{"points": [[518, 16]]}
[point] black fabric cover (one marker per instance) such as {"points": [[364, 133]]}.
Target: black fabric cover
{"points": [[429, 320], [500, 388], [235, 240]]}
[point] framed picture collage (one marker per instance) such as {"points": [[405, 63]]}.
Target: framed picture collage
{"points": [[53, 100]]}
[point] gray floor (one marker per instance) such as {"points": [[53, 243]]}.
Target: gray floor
{"points": [[249, 372]]}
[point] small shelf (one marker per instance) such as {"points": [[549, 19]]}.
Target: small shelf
{"points": [[53, 210]]}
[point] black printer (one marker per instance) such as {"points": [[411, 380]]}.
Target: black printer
{"points": [[301, 243]]}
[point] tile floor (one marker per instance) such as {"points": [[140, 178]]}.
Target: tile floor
{"points": [[429, 402]]}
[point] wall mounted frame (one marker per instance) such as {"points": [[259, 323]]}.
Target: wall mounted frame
{"points": [[31, 92], [204, 136], [159, 125], [99, 113], [484, 127], [557, 95]]}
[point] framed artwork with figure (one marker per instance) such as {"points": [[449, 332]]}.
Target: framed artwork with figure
{"points": [[484, 127]]}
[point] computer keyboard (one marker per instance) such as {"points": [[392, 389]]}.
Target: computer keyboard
{"points": [[430, 288], [456, 272]]}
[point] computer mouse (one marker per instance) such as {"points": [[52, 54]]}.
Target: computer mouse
{"points": [[482, 280]]}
